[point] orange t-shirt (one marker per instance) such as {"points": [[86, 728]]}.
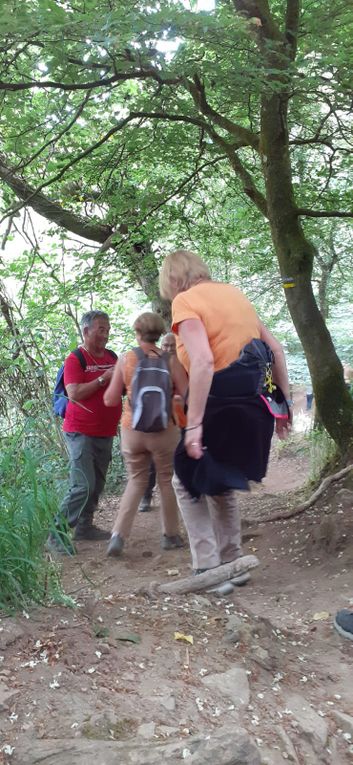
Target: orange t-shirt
{"points": [[228, 316]]}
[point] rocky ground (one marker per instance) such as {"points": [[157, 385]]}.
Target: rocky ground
{"points": [[258, 677]]}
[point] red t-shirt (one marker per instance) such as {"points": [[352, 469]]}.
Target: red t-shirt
{"points": [[100, 421]]}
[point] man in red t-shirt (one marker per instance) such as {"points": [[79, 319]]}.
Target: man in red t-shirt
{"points": [[89, 427]]}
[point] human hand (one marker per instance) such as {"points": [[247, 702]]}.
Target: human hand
{"points": [[193, 442], [108, 374], [284, 427]]}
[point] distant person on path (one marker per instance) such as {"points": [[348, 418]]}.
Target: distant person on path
{"points": [[89, 428], [168, 345], [229, 426], [139, 446], [309, 398], [348, 376]]}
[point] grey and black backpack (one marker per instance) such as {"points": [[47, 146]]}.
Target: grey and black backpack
{"points": [[151, 392]]}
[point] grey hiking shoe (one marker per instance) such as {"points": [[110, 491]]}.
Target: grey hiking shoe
{"points": [[225, 588], [60, 544], [171, 543], [145, 506], [343, 622], [115, 546], [90, 532], [240, 579], [222, 589]]}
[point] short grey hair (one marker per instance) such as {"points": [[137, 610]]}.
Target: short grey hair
{"points": [[89, 317]]}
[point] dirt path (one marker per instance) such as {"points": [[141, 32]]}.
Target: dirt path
{"points": [[108, 682]]}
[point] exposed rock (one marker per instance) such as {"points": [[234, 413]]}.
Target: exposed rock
{"points": [[10, 634], [238, 630], [288, 745], [312, 726], [235, 748], [167, 730], [344, 721], [201, 601], [7, 695], [147, 730], [105, 725], [345, 497], [328, 535], [273, 757], [168, 702], [234, 684], [263, 658], [223, 747]]}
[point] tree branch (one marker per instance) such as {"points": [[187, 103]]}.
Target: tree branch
{"points": [[139, 74], [61, 133], [71, 163], [324, 213], [54, 212], [244, 136]]}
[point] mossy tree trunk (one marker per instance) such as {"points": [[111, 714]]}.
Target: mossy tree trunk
{"points": [[295, 255]]}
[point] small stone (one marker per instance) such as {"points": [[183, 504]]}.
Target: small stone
{"points": [[263, 658], [344, 721], [9, 635], [201, 601], [168, 702], [313, 727], [238, 631], [288, 745], [233, 684], [6, 696], [167, 730], [272, 757], [147, 730]]}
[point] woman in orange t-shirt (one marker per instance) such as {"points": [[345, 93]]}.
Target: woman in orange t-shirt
{"points": [[228, 434]]}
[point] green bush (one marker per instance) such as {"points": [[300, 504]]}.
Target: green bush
{"points": [[28, 503]]}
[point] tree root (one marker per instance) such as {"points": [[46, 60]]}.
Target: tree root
{"points": [[209, 578], [282, 514]]}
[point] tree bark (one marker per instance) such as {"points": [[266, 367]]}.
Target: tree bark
{"points": [[210, 578], [295, 255]]}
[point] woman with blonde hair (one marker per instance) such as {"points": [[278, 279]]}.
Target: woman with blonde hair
{"points": [[227, 352], [138, 447]]}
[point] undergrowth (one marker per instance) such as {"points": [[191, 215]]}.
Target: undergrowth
{"points": [[28, 503]]}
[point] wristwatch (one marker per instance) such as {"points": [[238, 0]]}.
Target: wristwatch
{"points": [[101, 381]]}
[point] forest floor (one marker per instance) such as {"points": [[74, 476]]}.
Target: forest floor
{"points": [[266, 679]]}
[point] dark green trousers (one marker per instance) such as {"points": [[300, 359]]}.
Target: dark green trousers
{"points": [[89, 461]]}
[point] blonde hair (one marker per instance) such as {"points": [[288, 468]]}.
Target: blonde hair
{"points": [[150, 326], [181, 269]]}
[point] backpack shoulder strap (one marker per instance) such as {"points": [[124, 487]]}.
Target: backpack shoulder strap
{"points": [[79, 355], [139, 353], [112, 353]]}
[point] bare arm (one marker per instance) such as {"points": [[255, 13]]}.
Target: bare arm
{"points": [[280, 376], [81, 391], [179, 377], [193, 335], [114, 392]]}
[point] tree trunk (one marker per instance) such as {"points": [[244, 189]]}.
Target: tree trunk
{"points": [[143, 266], [295, 256]]}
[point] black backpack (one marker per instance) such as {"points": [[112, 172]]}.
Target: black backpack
{"points": [[151, 393], [60, 397]]}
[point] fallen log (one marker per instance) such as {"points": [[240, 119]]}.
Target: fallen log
{"points": [[203, 581]]}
